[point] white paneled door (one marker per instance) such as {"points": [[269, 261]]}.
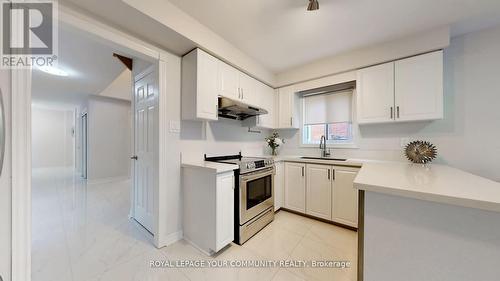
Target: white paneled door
{"points": [[146, 132]]}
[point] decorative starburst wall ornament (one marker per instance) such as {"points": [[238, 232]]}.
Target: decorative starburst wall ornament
{"points": [[421, 152]]}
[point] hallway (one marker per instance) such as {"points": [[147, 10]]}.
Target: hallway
{"points": [[81, 230]]}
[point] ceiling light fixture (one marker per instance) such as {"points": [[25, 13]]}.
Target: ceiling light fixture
{"points": [[313, 5], [53, 70]]}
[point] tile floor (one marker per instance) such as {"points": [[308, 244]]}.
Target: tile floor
{"points": [[82, 233]]}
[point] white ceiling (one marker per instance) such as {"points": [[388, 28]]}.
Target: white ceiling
{"points": [[281, 34], [91, 67]]}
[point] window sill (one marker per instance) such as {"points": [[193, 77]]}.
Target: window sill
{"points": [[336, 146]]}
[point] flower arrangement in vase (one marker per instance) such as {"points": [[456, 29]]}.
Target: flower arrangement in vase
{"points": [[274, 141]]}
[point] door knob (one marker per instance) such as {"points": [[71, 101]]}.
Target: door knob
{"points": [[134, 157]]}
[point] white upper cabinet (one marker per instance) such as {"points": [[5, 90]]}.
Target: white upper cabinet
{"points": [[286, 105], [375, 94], [266, 100], [401, 91], [236, 85], [419, 87], [199, 86], [248, 87], [229, 81]]}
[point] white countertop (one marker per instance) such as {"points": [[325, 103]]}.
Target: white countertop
{"points": [[217, 167], [433, 182]]}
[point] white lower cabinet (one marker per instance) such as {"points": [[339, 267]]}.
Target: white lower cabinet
{"points": [[279, 191], [208, 208], [224, 210], [345, 196], [295, 187], [319, 191], [322, 191]]}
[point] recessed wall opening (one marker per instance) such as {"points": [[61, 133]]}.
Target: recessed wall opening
{"points": [[84, 160]]}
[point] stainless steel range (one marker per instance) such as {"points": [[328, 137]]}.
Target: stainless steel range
{"points": [[254, 196]]}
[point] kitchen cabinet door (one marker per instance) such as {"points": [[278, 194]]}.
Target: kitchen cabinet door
{"points": [[286, 108], [199, 86], [207, 87], [228, 80], [375, 94], [319, 191], [279, 191], [248, 87], [266, 101], [345, 196], [224, 210], [295, 187], [419, 87]]}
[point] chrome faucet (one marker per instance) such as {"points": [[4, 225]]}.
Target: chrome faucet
{"points": [[322, 146]]}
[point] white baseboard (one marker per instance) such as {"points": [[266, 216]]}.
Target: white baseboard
{"points": [[169, 239], [108, 180]]}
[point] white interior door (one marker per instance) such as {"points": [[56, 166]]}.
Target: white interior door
{"points": [[146, 132]]}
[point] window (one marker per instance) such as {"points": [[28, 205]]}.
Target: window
{"points": [[335, 133], [328, 115]]}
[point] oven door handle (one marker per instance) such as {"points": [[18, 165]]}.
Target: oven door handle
{"points": [[256, 175]]}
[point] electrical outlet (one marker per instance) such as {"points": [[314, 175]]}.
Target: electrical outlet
{"points": [[405, 141]]}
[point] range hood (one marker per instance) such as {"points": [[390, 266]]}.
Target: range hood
{"points": [[237, 110]]}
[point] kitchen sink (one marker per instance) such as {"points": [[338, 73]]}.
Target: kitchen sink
{"points": [[324, 158]]}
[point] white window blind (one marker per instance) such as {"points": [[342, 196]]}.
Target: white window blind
{"points": [[328, 108]]}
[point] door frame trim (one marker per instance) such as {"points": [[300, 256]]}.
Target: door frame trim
{"points": [[21, 81]]}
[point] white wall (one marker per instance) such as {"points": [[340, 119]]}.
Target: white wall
{"points": [[366, 56], [109, 138], [52, 138], [414, 240], [467, 138], [121, 87], [220, 138], [5, 184]]}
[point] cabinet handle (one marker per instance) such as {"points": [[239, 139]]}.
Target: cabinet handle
{"points": [[333, 174], [392, 113], [302, 171], [328, 174], [242, 93], [397, 109], [291, 121]]}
